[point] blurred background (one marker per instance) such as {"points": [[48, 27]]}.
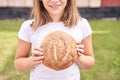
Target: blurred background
{"points": [[104, 18], [87, 8]]}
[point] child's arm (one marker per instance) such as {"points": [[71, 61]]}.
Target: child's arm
{"points": [[22, 60], [85, 52]]}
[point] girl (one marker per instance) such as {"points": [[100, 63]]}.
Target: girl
{"points": [[50, 16]]}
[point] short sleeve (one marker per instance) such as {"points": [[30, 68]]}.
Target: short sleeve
{"points": [[86, 28], [24, 32]]}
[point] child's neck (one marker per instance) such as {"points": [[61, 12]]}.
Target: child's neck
{"points": [[56, 18]]}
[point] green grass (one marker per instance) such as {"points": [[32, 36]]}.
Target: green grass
{"points": [[8, 43], [106, 46], [106, 49]]}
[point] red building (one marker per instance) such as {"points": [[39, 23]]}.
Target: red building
{"points": [[110, 3], [87, 8]]}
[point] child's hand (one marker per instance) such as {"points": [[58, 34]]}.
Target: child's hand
{"points": [[37, 56], [80, 48]]}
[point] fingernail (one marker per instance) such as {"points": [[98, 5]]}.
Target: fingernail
{"points": [[42, 56], [76, 45]]}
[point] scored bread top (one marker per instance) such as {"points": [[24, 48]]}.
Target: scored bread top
{"points": [[59, 50]]}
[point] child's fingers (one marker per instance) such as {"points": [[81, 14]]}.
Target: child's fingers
{"points": [[81, 46], [80, 50], [38, 58], [37, 53], [37, 48]]}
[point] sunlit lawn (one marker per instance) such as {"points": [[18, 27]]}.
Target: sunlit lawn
{"points": [[106, 44]]}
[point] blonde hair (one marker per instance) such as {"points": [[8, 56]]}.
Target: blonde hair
{"points": [[70, 16]]}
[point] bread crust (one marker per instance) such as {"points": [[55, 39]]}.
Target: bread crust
{"points": [[59, 50]]}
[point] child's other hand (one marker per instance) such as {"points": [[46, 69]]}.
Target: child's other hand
{"points": [[37, 56], [80, 48]]}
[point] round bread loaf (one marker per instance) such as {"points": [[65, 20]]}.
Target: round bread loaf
{"points": [[59, 50]]}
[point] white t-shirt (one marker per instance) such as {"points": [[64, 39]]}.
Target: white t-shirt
{"points": [[41, 72]]}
